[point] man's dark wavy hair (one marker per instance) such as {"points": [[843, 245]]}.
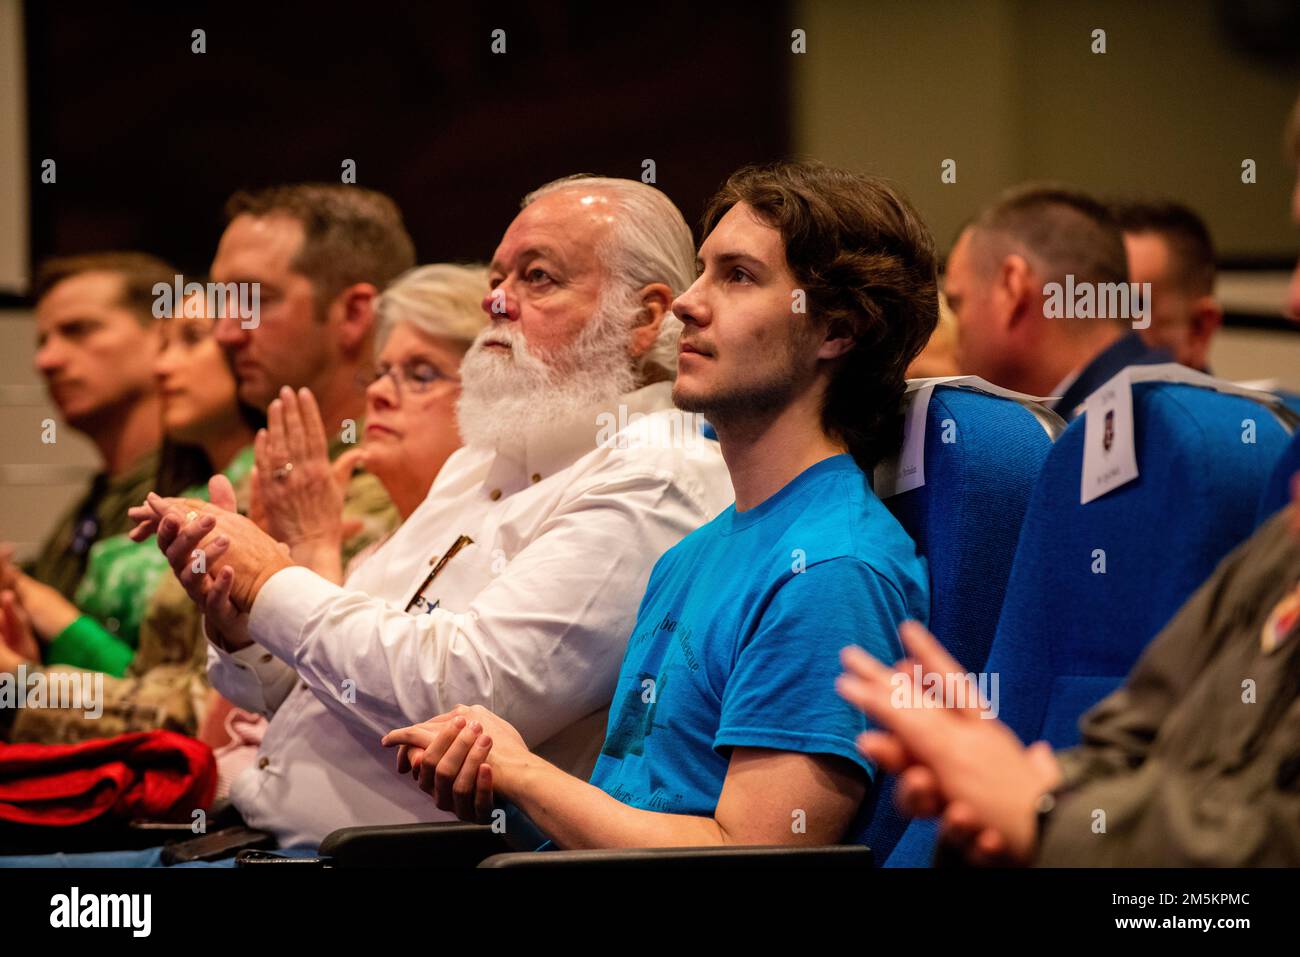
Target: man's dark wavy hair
{"points": [[867, 263]]}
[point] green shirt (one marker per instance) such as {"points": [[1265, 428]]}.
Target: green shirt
{"points": [[165, 685], [113, 595], [100, 514], [365, 501]]}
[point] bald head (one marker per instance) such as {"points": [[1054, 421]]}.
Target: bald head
{"points": [[580, 291], [649, 240], [626, 236]]}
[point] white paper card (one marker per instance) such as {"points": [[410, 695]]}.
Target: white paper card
{"points": [[907, 471], [1109, 451]]}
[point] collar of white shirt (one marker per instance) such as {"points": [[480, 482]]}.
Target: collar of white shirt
{"points": [[555, 446]]}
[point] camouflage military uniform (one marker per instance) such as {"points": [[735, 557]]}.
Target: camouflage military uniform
{"points": [[166, 685], [1195, 760], [100, 514], [365, 501]]}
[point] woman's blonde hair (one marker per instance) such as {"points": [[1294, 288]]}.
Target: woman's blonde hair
{"points": [[442, 299]]}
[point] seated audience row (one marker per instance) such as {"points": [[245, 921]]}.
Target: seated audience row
{"points": [[628, 634]]}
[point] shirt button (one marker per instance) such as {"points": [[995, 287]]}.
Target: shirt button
{"points": [[262, 763], [536, 477], [495, 494]]}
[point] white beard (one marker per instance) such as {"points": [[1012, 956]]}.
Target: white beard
{"points": [[506, 396]]}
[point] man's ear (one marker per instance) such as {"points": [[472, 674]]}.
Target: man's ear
{"points": [[1207, 316], [355, 307], [1017, 293], [656, 303], [837, 342]]}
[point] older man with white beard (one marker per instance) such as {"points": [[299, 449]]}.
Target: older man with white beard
{"points": [[515, 584]]}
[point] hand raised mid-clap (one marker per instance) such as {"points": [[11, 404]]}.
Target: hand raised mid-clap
{"points": [[17, 640], [201, 539], [298, 491], [953, 761]]}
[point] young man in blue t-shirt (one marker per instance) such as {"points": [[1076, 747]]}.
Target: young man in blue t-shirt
{"points": [[816, 289]]}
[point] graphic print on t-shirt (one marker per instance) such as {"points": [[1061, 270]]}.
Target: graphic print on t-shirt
{"points": [[634, 713]]}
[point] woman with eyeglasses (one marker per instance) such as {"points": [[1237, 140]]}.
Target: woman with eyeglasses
{"points": [[426, 320]]}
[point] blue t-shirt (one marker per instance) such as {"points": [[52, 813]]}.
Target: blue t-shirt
{"points": [[738, 637]]}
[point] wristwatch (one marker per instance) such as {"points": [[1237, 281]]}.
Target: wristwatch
{"points": [[1043, 809]]}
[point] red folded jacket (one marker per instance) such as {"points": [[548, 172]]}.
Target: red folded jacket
{"points": [[154, 775]]}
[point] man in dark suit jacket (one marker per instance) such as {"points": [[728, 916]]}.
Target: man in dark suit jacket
{"points": [[1039, 284], [1128, 350]]}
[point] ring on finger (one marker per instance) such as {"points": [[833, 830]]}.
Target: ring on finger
{"points": [[282, 472]]}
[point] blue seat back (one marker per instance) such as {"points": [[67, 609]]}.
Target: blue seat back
{"points": [[1070, 631], [982, 455], [1069, 634], [1277, 491]]}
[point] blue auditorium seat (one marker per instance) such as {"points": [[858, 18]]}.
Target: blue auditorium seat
{"points": [[965, 520], [1067, 636], [1278, 490], [1290, 399]]}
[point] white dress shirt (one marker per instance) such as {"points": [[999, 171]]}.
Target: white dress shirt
{"points": [[531, 620]]}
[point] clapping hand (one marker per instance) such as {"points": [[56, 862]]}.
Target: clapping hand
{"points": [[951, 760]]}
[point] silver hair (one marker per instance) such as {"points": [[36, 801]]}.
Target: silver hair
{"points": [[443, 299], [652, 244]]}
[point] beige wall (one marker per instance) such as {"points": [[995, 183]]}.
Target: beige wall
{"points": [[1010, 90], [1253, 354], [13, 151], [37, 480]]}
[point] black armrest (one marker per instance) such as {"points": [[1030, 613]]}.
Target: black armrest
{"points": [[830, 855], [442, 844]]}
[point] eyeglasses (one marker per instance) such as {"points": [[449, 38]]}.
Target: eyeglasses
{"points": [[417, 376]]}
